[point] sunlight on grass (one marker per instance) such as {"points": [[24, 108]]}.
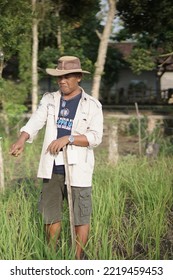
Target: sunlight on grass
{"points": [[131, 210]]}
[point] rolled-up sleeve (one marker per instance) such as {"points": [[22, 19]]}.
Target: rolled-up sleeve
{"points": [[94, 132]]}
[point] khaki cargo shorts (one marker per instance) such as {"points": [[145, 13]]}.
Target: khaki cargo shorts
{"points": [[51, 199]]}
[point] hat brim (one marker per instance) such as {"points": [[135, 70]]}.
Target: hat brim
{"points": [[57, 73]]}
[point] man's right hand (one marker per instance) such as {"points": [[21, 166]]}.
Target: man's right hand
{"points": [[18, 146]]}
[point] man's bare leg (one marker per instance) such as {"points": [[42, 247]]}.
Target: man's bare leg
{"points": [[53, 233], [82, 232]]}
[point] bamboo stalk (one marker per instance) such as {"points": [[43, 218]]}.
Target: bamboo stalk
{"points": [[69, 193]]}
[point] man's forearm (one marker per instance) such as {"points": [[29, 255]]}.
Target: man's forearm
{"points": [[80, 140], [24, 136]]}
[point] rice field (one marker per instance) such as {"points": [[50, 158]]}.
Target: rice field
{"points": [[132, 210]]}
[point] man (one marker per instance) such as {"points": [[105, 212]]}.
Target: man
{"points": [[73, 119]]}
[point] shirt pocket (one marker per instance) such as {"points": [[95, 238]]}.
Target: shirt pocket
{"points": [[82, 126], [51, 110]]}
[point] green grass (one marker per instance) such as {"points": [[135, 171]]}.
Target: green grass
{"points": [[132, 207], [135, 201]]}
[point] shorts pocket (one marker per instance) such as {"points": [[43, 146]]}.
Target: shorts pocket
{"points": [[85, 202]]}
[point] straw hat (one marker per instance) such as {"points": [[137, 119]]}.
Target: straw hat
{"points": [[67, 65]]}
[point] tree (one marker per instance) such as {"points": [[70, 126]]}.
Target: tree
{"points": [[148, 16], [104, 40], [15, 38], [150, 24], [74, 24], [34, 57], [57, 27], [15, 24], [114, 62]]}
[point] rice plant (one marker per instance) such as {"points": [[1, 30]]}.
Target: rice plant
{"points": [[131, 219]]}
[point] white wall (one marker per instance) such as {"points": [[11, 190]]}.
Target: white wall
{"points": [[126, 76], [167, 80]]}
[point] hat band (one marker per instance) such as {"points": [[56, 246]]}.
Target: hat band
{"points": [[68, 65]]}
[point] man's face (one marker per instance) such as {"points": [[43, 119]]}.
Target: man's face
{"points": [[69, 83]]}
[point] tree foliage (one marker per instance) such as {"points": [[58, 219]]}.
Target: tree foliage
{"points": [[15, 24], [77, 11], [150, 24], [12, 99], [76, 19], [114, 63], [76, 22], [149, 16], [141, 60]]}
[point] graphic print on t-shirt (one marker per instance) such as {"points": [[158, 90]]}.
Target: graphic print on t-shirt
{"points": [[64, 122], [66, 115]]}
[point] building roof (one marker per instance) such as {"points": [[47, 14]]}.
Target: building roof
{"points": [[124, 47], [165, 61]]}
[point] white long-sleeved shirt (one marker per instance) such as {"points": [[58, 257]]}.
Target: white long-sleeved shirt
{"points": [[88, 121]]}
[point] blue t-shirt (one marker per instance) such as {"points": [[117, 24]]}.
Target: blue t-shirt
{"points": [[67, 112]]}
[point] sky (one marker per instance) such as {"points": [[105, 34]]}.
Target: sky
{"points": [[117, 24]]}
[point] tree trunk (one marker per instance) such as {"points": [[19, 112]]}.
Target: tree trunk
{"points": [[103, 49], [34, 58], [59, 35], [59, 40]]}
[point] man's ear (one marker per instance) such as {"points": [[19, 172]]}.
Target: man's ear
{"points": [[79, 77]]}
